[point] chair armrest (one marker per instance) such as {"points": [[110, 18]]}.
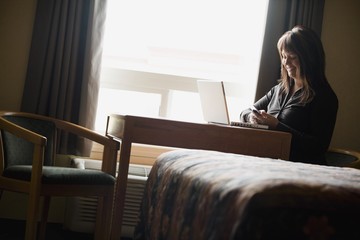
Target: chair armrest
{"points": [[38, 140], [354, 155], [111, 146], [22, 132]]}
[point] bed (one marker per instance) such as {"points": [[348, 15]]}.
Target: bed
{"points": [[198, 194]]}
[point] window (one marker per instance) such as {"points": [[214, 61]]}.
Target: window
{"points": [[158, 49]]}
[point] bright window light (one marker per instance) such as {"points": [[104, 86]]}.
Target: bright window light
{"points": [[212, 39], [115, 101], [155, 50], [185, 106]]}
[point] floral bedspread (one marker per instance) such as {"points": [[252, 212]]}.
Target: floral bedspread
{"points": [[196, 194]]}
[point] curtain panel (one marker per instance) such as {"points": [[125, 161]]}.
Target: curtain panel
{"points": [[63, 69], [282, 16]]}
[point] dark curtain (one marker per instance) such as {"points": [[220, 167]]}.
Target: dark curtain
{"points": [[282, 16], [63, 70]]}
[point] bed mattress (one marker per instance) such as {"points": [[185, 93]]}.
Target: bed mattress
{"points": [[197, 194]]}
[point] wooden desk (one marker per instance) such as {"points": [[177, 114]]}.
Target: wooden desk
{"points": [[163, 132]]}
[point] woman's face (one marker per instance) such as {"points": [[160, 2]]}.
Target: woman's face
{"points": [[291, 63]]}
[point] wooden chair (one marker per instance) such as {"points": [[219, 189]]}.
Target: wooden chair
{"points": [[343, 158], [27, 151]]}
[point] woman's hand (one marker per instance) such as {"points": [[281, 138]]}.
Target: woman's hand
{"points": [[263, 118]]}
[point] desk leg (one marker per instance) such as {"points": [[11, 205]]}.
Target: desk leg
{"points": [[120, 190]]}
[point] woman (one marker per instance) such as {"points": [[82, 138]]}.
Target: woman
{"points": [[303, 103]]}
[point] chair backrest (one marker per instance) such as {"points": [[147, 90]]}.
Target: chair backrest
{"points": [[20, 152]]}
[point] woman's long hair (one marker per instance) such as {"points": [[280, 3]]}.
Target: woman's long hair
{"points": [[306, 44]]}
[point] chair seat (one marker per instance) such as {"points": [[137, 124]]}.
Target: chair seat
{"points": [[61, 175]]}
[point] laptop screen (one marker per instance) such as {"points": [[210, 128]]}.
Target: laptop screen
{"points": [[214, 106], [213, 101]]}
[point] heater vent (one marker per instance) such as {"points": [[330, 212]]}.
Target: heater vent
{"points": [[80, 212]]}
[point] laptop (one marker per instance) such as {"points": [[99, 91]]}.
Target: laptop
{"points": [[214, 105]]}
